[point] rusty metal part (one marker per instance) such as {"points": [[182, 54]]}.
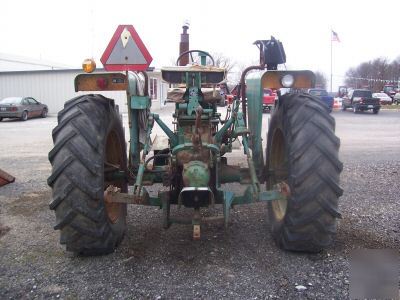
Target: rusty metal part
{"points": [[101, 81], [184, 46], [196, 224], [5, 178], [196, 232], [113, 195], [196, 138], [243, 88], [114, 159], [109, 193], [283, 188], [199, 112], [279, 207]]}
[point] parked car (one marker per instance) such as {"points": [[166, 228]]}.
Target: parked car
{"points": [[384, 99], [390, 90], [396, 98], [361, 100], [323, 95], [269, 98], [22, 108]]}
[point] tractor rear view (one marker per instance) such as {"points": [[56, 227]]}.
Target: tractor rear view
{"points": [[92, 171]]}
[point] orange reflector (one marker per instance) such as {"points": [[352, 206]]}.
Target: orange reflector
{"points": [[89, 65]]}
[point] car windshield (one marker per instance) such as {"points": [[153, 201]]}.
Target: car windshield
{"points": [[362, 94], [318, 93], [11, 100], [388, 88]]}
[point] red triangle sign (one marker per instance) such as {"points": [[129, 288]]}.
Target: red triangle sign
{"points": [[126, 51]]}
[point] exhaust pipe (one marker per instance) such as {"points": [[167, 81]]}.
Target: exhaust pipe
{"points": [[184, 44]]}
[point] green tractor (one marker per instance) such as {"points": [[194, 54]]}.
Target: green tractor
{"points": [[300, 168]]}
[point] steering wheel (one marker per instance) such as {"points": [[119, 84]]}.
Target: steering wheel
{"points": [[191, 56]]}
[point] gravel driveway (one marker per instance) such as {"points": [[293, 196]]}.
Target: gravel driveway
{"points": [[241, 262]]}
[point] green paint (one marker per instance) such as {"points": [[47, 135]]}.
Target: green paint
{"points": [[196, 174], [254, 94], [218, 136], [172, 136], [194, 99], [140, 102], [189, 146]]}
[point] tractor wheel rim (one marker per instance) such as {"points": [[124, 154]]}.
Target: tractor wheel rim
{"points": [[278, 163], [113, 156]]}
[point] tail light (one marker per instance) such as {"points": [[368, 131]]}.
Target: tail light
{"points": [[102, 82]]}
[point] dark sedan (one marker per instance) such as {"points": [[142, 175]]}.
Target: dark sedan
{"points": [[22, 108]]}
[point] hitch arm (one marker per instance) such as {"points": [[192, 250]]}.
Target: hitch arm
{"points": [[139, 177]]}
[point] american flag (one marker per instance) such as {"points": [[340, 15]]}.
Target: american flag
{"points": [[335, 37]]}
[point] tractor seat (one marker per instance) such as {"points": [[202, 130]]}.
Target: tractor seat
{"points": [[210, 95], [177, 74]]}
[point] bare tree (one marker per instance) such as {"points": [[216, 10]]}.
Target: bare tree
{"points": [[223, 61], [320, 79], [374, 74]]}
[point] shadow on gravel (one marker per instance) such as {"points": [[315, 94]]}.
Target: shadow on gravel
{"points": [[4, 230], [351, 236], [30, 204]]}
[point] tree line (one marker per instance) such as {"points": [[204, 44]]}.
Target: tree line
{"points": [[374, 74]]}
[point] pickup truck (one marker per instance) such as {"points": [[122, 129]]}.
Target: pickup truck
{"points": [[322, 94], [361, 100]]}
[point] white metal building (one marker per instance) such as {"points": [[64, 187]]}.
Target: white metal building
{"points": [[53, 84]]}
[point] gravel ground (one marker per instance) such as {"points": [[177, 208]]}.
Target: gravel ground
{"points": [[240, 262]]}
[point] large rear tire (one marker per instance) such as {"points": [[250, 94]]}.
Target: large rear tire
{"points": [[302, 158], [88, 137]]}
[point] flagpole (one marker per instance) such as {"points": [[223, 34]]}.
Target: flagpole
{"points": [[331, 60]]}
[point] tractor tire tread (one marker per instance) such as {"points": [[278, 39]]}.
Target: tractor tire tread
{"points": [[310, 221], [77, 179]]}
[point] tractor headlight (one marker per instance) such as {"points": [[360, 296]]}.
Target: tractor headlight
{"points": [[287, 81]]}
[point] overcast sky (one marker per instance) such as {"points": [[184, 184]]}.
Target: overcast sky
{"points": [[69, 31]]}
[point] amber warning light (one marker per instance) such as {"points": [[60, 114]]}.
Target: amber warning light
{"points": [[89, 65]]}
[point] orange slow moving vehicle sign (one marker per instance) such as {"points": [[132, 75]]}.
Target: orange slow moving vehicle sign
{"points": [[126, 51]]}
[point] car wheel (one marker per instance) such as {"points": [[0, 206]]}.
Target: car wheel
{"points": [[1, 119], [24, 116], [44, 113], [376, 111]]}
